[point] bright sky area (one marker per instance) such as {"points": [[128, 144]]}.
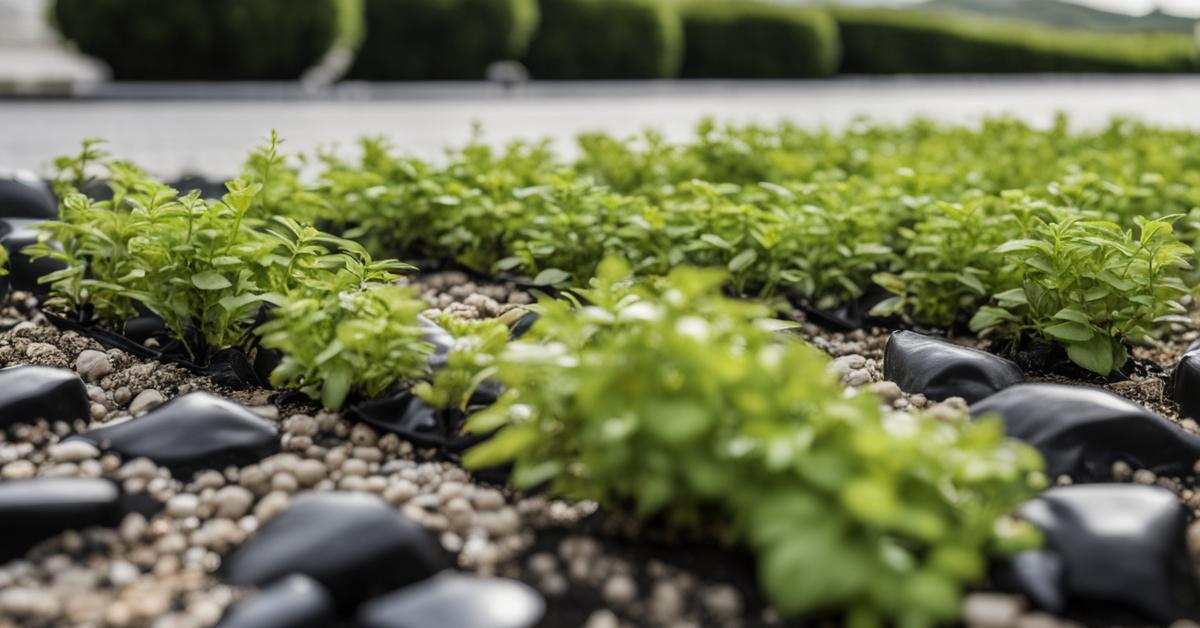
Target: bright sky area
{"points": [[1188, 8]]}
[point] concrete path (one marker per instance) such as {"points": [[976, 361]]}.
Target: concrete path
{"points": [[206, 129]]}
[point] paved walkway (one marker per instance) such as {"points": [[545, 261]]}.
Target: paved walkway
{"points": [[206, 129]]}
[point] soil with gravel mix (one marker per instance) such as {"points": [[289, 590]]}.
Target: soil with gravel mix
{"points": [[594, 568]]}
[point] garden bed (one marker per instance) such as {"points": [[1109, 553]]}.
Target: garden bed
{"points": [[643, 443], [592, 569]]}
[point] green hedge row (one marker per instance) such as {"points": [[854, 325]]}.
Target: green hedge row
{"points": [[751, 40], [584, 39], [441, 39], [894, 41], [606, 39], [201, 39]]}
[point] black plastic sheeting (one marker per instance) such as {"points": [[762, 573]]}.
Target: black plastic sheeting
{"points": [[1115, 554], [1185, 382], [1082, 431], [940, 369]]}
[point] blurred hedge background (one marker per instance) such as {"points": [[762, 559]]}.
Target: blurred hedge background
{"points": [[399, 40]]}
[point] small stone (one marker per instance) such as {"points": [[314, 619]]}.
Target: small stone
{"points": [[857, 378], [142, 468], [93, 365], [29, 602], [488, 499], [1121, 471], [543, 563], [723, 601], [18, 470], [285, 482], [992, 610], [145, 400], [666, 602], [122, 573], [620, 590], [400, 491], [183, 505], [603, 619], [233, 502], [270, 506], [309, 472], [362, 435], [847, 363], [73, 451], [354, 466], [889, 391], [122, 395], [98, 411], [1144, 476], [300, 425]]}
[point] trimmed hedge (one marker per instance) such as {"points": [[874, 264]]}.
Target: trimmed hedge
{"points": [[606, 39], [756, 40], [201, 39], [442, 39], [892, 41]]}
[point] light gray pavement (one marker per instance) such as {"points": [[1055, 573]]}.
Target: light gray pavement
{"points": [[207, 129]]}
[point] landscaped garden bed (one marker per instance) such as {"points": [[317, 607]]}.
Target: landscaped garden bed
{"points": [[900, 375]]}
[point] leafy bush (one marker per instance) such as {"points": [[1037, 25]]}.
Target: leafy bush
{"points": [[362, 339], [888, 41], [725, 39], [200, 39], [606, 39], [211, 266], [671, 400], [1088, 284], [950, 267], [442, 39]]}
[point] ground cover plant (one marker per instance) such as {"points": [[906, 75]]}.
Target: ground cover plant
{"points": [[921, 210], [667, 398], [658, 383], [211, 270]]}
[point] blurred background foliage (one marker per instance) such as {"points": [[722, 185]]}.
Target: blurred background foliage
{"points": [[615, 39]]}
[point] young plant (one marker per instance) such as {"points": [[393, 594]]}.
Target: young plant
{"points": [[3, 261], [1089, 285], [335, 343], [949, 269], [208, 266], [668, 398], [470, 362]]}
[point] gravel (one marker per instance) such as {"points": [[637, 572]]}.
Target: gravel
{"points": [[160, 570]]}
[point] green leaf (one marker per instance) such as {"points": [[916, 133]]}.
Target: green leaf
{"points": [[1095, 355], [1071, 314], [336, 386], [210, 280], [972, 282], [743, 260], [988, 317], [550, 277], [1071, 331], [716, 241], [1015, 296]]}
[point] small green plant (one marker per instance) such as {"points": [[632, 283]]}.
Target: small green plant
{"points": [[1088, 285], [211, 266], [470, 362], [668, 398], [949, 265], [364, 339], [3, 261]]}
